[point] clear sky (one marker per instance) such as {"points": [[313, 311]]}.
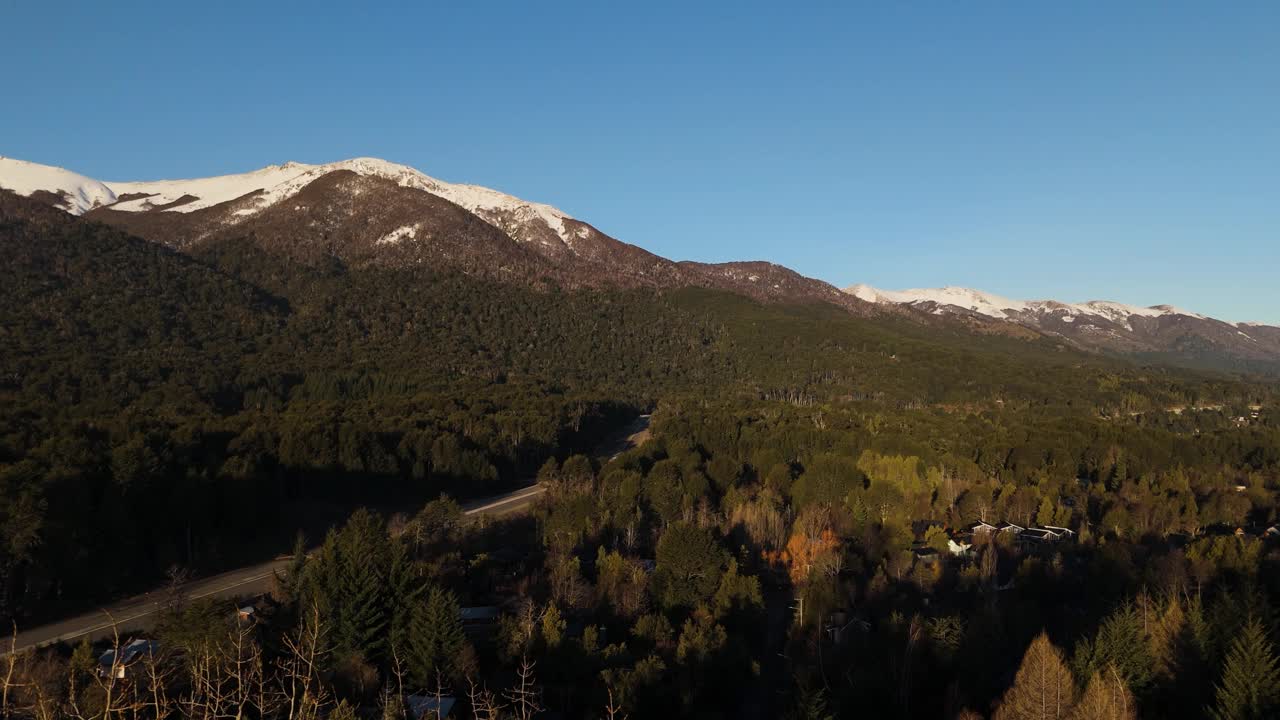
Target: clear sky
{"points": [[1073, 150]]}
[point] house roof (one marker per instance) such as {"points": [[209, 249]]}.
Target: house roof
{"points": [[131, 652], [428, 706], [478, 614]]}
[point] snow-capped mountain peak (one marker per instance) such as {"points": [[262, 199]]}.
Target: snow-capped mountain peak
{"points": [[262, 188], [79, 194], [278, 182], [983, 303]]}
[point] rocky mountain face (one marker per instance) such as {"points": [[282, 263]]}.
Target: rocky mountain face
{"points": [[370, 212], [1160, 332]]}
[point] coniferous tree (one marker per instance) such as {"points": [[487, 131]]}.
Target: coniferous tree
{"points": [[1250, 687], [405, 591], [437, 644], [364, 620], [1043, 688], [1120, 643]]}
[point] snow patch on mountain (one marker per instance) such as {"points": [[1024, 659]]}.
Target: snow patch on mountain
{"points": [[80, 194], [400, 234]]}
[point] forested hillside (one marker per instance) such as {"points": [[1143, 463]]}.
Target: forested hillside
{"points": [[161, 409]]}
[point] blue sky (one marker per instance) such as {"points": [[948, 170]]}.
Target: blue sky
{"points": [[1126, 151]]}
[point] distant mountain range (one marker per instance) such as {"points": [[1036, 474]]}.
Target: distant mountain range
{"points": [[372, 212], [1158, 332]]}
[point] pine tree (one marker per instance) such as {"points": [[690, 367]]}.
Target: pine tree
{"points": [[1120, 643], [437, 644], [364, 618], [1043, 689], [1250, 687], [405, 592]]}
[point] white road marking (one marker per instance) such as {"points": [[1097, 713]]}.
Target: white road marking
{"points": [[536, 489], [152, 611]]}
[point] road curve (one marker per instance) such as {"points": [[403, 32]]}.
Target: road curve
{"points": [[138, 612]]}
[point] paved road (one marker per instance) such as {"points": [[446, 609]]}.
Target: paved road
{"points": [[138, 612]]}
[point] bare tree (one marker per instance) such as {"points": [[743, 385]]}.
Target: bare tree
{"points": [[613, 711], [305, 697], [524, 698], [484, 704], [440, 690], [158, 675], [11, 665], [38, 685]]}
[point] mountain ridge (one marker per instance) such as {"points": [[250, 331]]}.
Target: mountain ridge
{"points": [[368, 211]]}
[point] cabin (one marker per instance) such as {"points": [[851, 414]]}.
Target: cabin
{"points": [[130, 655], [1063, 533], [982, 527], [1038, 536], [1010, 528], [429, 707]]}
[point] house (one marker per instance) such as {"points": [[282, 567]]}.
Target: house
{"points": [[982, 527], [132, 653], [1063, 533], [429, 707], [480, 624], [1037, 536], [1041, 536], [1010, 528], [1272, 532], [958, 548]]}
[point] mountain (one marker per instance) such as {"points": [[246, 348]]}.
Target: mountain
{"points": [[1158, 332], [366, 212], [374, 212]]}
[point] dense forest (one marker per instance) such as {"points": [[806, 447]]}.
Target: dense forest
{"points": [[791, 543]]}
